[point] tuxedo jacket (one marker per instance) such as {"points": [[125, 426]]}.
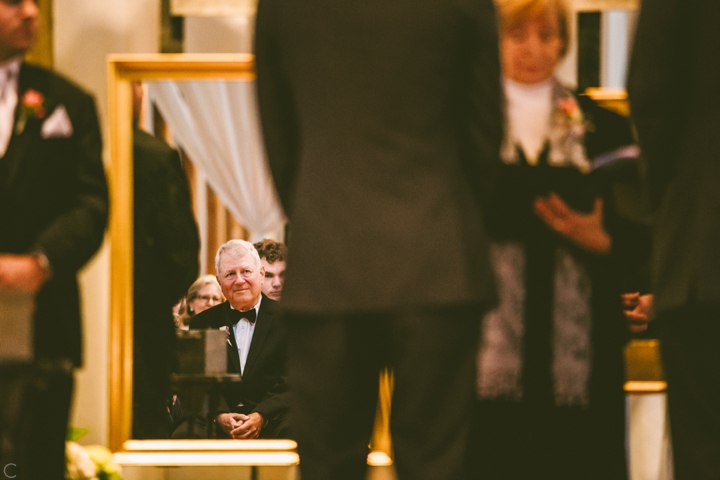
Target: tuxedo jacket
{"points": [[263, 385], [673, 92], [53, 198], [378, 121]]}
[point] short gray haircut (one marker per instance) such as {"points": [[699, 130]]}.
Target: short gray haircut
{"points": [[238, 248]]}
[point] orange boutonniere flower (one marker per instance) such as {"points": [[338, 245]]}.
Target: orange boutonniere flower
{"points": [[32, 107], [33, 102], [570, 108]]}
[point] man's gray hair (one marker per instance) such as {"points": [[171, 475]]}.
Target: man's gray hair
{"points": [[237, 248]]}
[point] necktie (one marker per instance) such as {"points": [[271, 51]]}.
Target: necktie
{"points": [[8, 99], [236, 315]]}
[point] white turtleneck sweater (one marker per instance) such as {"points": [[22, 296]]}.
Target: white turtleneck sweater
{"points": [[529, 110]]}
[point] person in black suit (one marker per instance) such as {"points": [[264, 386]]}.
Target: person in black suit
{"points": [[53, 212], [673, 92], [379, 121], [166, 264], [257, 405]]}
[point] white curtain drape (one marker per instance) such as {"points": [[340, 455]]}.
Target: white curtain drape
{"points": [[217, 124]]}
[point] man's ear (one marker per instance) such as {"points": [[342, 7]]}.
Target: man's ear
{"points": [[262, 275]]}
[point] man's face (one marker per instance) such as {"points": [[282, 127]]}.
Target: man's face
{"points": [[18, 27], [240, 280], [274, 278]]}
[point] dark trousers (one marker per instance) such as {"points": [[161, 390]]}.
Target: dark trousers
{"points": [[334, 362], [35, 407], [690, 347]]}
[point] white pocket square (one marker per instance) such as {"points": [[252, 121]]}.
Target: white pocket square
{"points": [[57, 125]]}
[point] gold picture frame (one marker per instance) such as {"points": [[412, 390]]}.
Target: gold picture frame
{"points": [[122, 70]]}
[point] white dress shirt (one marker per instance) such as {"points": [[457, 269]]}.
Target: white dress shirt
{"points": [[243, 331], [9, 71], [529, 110]]}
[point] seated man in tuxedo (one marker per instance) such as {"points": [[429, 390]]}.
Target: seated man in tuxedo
{"points": [[256, 406], [273, 256]]}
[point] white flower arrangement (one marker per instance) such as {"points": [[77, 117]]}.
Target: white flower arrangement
{"points": [[92, 462]]}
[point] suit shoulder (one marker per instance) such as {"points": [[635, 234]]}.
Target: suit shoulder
{"points": [[145, 142], [55, 84], [213, 317], [152, 154], [269, 305]]}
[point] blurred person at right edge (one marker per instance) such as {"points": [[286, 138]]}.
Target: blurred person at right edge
{"points": [[674, 94], [379, 118], [550, 365]]}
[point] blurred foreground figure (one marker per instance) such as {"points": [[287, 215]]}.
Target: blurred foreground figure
{"points": [[674, 100], [379, 120], [550, 366], [53, 211], [165, 264]]}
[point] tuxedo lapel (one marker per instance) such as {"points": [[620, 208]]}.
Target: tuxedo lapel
{"points": [[24, 129], [14, 156], [262, 327], [232, 346]]}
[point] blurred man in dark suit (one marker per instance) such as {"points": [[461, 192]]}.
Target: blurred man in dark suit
{"points": [[166, 264], [53, 211], [379, 119], [674, 99]]}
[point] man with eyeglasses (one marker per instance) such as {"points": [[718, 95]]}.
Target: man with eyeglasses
{"points": [[255, 407]]}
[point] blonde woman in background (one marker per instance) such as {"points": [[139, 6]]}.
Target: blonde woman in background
{"points": [[203, 293]]}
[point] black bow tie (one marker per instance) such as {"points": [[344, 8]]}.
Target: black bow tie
{"points": [[236, 315]]}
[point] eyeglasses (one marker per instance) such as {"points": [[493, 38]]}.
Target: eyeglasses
{"points": [[208, 298]]}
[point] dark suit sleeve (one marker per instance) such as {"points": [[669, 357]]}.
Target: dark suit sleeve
{"points": [[276, 401], [655, 78], [166, 236], [178, 231], [74, 236], [486, 97], [277, 110], [484, 107]]}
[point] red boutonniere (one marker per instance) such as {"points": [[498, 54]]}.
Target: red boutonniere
{"points": [[567, 134], [570, 108], [32, 107]]}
